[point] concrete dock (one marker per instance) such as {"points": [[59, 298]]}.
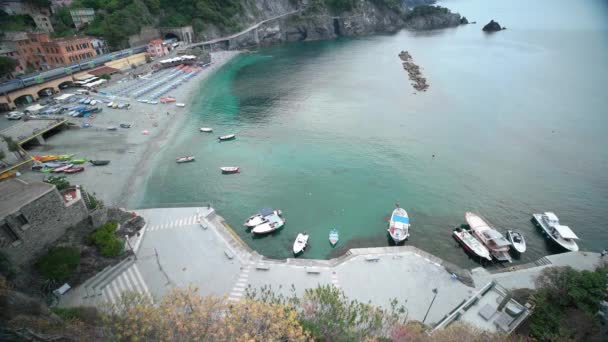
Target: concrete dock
{"points": [[194, 246]]}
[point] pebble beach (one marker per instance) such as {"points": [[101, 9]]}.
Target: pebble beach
{"points": [[129, 150]]}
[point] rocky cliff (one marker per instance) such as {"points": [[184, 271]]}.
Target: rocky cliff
{"points": [[316, 21]]}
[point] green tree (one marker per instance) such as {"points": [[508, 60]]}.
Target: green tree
{"points": [[7, 65], [105, 76], [13, 146], [59, 263], [59, 182]]}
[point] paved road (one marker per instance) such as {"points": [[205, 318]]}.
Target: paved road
{"points": [[177, 251], [217, 40]]}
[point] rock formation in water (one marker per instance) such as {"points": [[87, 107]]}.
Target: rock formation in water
{"points": [[492, 26], [413, 71]]}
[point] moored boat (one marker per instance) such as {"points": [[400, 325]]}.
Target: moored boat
{"points": [[111, 128], [62, 168], [227, 137], [99, 162], [273, 222], [229, 169], [553, 230], [206, 129], [517, 240], [300, 244], [74, 169], [399, 225], [78, 161], [334, 237], [181, 105], [490, 237], [184, 159], [470, 243], [259, 218]]}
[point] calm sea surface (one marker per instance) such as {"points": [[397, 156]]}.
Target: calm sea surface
{"points": [[333, 133]]}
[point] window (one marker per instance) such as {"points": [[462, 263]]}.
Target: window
{"points": [[8, 232], [22, 220]]}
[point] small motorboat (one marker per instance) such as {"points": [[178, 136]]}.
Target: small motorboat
{"points": [[517, 240], [78, 161], [552, 229], [99, 162], [259, 218], [300, 244], [185, 159], [496, 243], [273, 223], [112, 128], [227, 137], [334, 236], [181, 105], [125, 125], [206, 129], [470, 243], [62, 168], [75, 169], [399, 225], [110, 104], [229, 169]]}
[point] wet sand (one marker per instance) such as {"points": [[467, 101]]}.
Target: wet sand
{"points": [[129, 150]]}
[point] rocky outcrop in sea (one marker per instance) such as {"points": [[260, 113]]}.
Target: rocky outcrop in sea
{"points": [[492, 26], [418, 81]]}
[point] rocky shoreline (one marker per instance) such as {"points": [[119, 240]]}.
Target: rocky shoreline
{"points": [[418, 81]]}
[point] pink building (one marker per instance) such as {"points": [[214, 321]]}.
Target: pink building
{"points": [[156, 48]]}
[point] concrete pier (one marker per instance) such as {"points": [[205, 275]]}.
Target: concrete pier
{"points": [[195, 246]]}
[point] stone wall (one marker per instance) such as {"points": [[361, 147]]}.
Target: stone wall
{"points": [[47, 220]]}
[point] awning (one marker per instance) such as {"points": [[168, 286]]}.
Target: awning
{"points": [[34, 109]]}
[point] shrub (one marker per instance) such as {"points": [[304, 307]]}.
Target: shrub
{"points": [[105, 76], [58, 181], [105, 239], [59, 263], [84, 314]]}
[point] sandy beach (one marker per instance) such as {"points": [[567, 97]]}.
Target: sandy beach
{"points": [[129, 150]]}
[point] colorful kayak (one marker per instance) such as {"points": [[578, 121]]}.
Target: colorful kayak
{"points": [[74, 169], [334, 236], [78, 161]]}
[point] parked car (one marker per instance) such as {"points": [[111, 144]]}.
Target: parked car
{"points": [[14, 115]]}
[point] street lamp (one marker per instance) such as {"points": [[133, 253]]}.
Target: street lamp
{"points": [[432, 301]]}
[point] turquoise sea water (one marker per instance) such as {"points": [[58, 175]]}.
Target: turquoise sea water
{"points": [[332, 133]]}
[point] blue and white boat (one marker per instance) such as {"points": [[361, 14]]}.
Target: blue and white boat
{"points": [[334, 236], [399, 225]]}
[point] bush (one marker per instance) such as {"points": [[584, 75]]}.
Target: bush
{"points": [[105, 76], [59, 263], [58, 181], [84, 314], [107, 242]]}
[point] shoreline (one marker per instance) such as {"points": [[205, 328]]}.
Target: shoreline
{"points": [[140, 174], [130, 151]]}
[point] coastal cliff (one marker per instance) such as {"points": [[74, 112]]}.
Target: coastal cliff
{"points": [[318, 20]]}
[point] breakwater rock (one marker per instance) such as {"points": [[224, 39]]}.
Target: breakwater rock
{"points": [[418, 81]]}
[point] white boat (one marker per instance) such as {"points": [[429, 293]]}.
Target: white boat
{"points": [[185, 159], [229, 169], [181, 105], [14, 115], [227, 137], [561, 235], [206, 129], [517, 240], [300, 244], [273, 222], [470, 243], [490, 237], [334, 237], [259, 218], [110, 104], [399, 225]]}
